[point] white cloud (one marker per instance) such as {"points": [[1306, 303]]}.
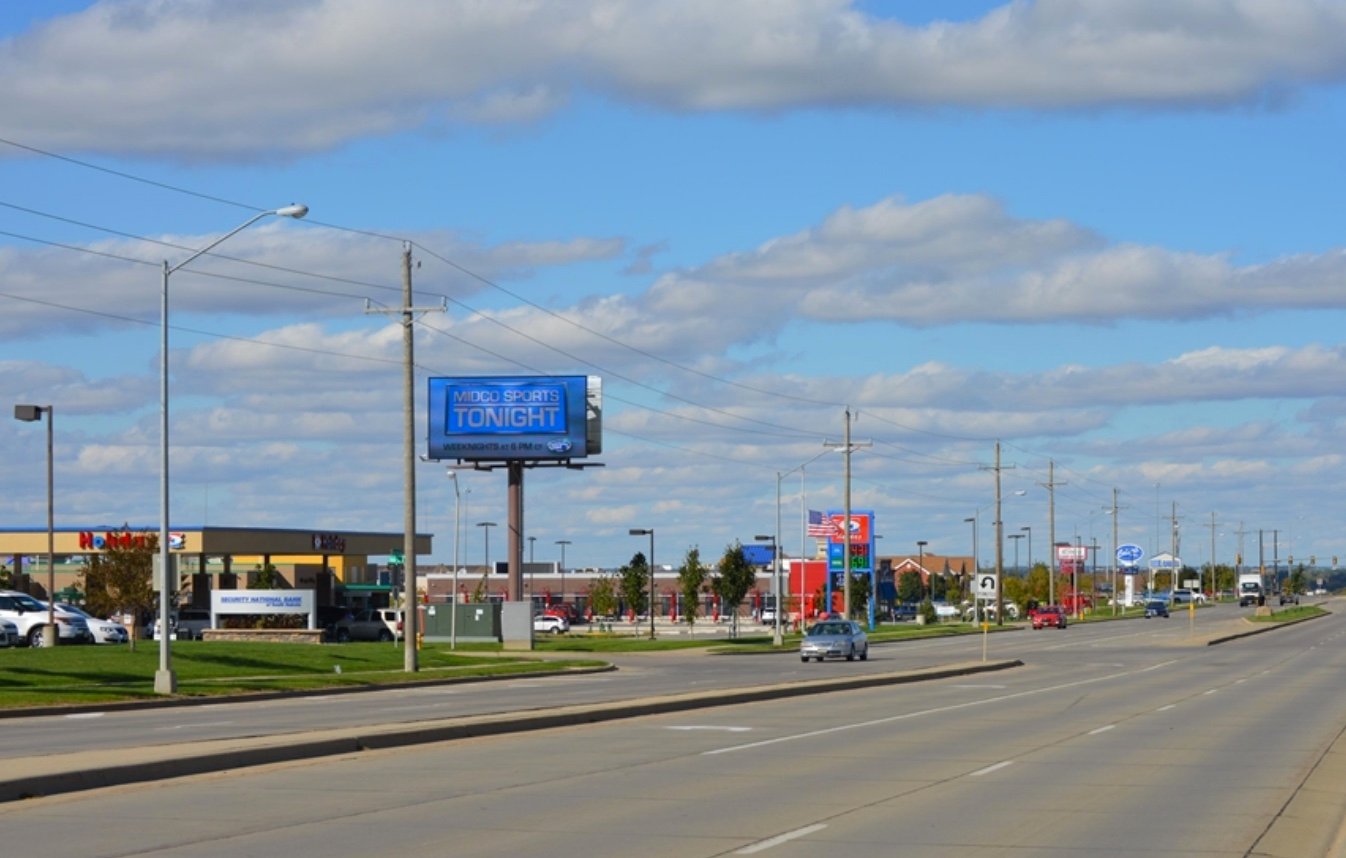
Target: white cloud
{"points": [[227, 79]]}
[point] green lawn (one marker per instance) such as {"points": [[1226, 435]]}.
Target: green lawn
{"points": [[104, 674]]}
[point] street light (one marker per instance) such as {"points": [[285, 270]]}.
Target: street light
{"points": [[28, 414], [920, 563], [775, 586], [486, 537], [457, 530], [532, 591], [563, 543], [648, 531], [165, 681], [1029, 531], [1016, 537]]}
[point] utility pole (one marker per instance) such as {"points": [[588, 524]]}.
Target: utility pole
{"points": [[999, 542], [408, 313], [846, 448], [1050, 486], [1174, 542], [1112, 564], [1212, 526]]}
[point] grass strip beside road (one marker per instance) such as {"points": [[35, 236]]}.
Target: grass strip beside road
{"points": [[1289, 615], [71, 675]]}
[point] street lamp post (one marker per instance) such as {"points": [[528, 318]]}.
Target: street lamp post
{"points": [[28, 414], [563, 543], [457, 530], [532, 591], [648, 531], [1016, 537], [165, 681], [486, 545], [1029, 531], [920, 563], [775, 585]]}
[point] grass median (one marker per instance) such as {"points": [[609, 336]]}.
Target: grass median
{"points": [[73, 675]]}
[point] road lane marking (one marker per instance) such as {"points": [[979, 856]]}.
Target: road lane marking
{"points": [[779, 839], [74, 715], [709, 727], [985, 701], [995, 768], [1166, 708], [1102, 729]]}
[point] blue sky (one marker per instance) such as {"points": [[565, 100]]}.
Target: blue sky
{"points": [[1106, 235]]}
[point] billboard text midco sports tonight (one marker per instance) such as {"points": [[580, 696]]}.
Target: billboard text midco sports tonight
{"points": [[504, 418]]}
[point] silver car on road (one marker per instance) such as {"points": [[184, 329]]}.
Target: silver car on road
{"points": [[835, 639]]}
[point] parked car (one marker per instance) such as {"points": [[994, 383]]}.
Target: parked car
{"points": [[566, 610], [768, 616], [835, 639], [373, 624], [30, 616], [188, 624], [1156, 608], [1049, 615], [1289, 598], [550, 624], [103, 631], [9, 634], [905, 612]]}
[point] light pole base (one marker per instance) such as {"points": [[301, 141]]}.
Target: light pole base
{"points": [[165, 682], [49, 635]]}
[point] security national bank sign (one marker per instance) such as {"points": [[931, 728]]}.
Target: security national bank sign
{"points": [[531, 417]]}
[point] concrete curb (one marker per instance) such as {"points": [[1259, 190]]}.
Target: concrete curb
{"points": [[66, 773]]}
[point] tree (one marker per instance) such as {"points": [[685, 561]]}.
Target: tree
{"points": [[603, 596], [909, 587], [633, 578], [859, 595], [691, 578], [119, 581], [735, 577], [265, 577]]}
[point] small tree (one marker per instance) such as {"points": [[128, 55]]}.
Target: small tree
{"points": [[633, 578], [691, 578], [909, 587], [265, 577], [859, 596], [119, 581], [735, 576], [603, 596]]}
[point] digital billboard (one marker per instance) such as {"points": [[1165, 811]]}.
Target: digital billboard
{"points": [[499, 418]]}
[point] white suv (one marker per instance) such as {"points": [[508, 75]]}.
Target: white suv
{"points": [[29, 616]]}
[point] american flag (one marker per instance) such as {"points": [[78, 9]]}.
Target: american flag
{"points": [[819, 526]]}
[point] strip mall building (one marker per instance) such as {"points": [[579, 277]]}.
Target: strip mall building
{"points": [[210, 558]]}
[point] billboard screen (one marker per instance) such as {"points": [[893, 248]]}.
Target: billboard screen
{"points": [[518, 417]]}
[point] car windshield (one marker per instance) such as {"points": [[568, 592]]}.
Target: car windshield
{"points": [[829, 629]]}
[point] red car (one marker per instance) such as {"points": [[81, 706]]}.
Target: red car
{"points": [[1049, 615]]}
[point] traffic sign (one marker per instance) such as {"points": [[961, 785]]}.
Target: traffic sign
{"points": [[1129, 555], [986, 585]]}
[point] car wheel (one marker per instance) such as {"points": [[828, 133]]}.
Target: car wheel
{"points": [[385, 636], [343, 635], [35, 638], [850, 656], [864, 654], [819, 659], [804, 659]]}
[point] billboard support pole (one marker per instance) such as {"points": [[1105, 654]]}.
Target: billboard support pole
{"points": [[516, 531]]}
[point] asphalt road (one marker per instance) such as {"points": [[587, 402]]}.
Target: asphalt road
{"points": [[1111, 740], [638, 676]]}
